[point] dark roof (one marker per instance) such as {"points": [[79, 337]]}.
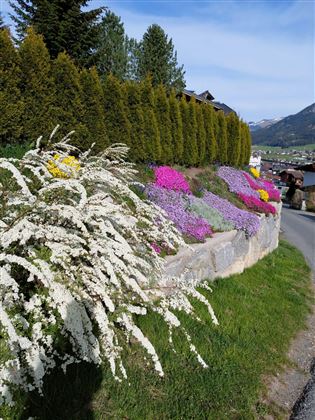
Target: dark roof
{"points": [[291, 171], [207, 95], [225, 108], [199, 98], [310, 167]]}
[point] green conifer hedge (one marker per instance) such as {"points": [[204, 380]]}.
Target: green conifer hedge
{"points": [[38, 92]]}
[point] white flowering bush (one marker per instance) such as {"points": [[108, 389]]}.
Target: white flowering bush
{"points": [[76, 262]]}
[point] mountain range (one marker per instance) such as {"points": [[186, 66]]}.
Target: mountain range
{"points": [[294, 130], [254, 126]]}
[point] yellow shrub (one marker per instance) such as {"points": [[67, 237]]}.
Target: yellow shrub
{"points": [[254, 172], [264, 196], [70, 161]]}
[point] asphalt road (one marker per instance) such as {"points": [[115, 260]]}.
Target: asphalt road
{"points": [[298, 227]]}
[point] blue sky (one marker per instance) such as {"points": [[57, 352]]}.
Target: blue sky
{"points": [[256, 56]]}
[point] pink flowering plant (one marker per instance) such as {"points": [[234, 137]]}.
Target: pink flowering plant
{"points": [[171, 179], [256, 204]]}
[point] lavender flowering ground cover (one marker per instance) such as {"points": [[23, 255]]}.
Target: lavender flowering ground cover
{"points": [[175, 204], [236, 181], [241, 219]]}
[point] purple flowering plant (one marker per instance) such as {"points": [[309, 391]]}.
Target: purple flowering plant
{"points": [[175, 204], [241, 219], [236, 181]]}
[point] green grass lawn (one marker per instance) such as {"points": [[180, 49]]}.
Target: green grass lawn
{"points": [[283, 149], [259, 312]]}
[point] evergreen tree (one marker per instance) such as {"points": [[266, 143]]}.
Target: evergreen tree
{"points": [[136, 119], [222, 140], [112, 54], [248, 148], [244, 143], [210, 123], [176, 128], [190, 154], [151, 129], [69, 108], [63, 24], [11, 104], [234, 143], [201, 135], [92, 97], [157, 58], [37, 87], [133, 55], [116, 120], [164, 123]]}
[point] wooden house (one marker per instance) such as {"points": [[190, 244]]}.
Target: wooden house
{"points": [[309, 184], [207, 98]]}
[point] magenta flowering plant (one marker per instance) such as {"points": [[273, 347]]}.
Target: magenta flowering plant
{"points": [[259, 183], [171, 179], [176, 204], [256, 204], [240, 219]]}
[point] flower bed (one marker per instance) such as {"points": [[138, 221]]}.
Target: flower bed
{"points": [[258, 184], [236, 181], [176, 204], [214, 217], [241, 219]]}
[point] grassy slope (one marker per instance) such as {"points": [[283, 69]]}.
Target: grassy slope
{"points": [[259, 313]]}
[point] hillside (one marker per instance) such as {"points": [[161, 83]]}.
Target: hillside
{"points": [[297, 129]]}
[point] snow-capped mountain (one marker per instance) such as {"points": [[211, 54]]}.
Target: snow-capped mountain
{"points": [[254, 126]]}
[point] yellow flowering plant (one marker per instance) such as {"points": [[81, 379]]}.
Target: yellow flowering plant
{"points": [[71, 162], [264, 196], [254, 172]]}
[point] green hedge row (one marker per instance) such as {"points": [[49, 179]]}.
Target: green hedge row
{"points": [[37, 93]]}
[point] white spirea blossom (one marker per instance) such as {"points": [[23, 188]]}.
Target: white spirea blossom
{"points": [[76, 258]]}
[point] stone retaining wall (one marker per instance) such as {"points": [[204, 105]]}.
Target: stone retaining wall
{"points": [[225, 253]]}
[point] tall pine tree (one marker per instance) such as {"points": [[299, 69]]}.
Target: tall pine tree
{"points": [[69, 107], [11, 104], [234, 141], [190, 154], [151, 130], [136, 119], [116, 120], [157, 58], [37, 87], [64, 25], [133, 55], [176, 128], [164, 122], [222, 139], [111, 50], [92, 97], [201, 135], [209, 122]]}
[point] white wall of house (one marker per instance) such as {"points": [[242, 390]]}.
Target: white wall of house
{"points": [[255, 162]]}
